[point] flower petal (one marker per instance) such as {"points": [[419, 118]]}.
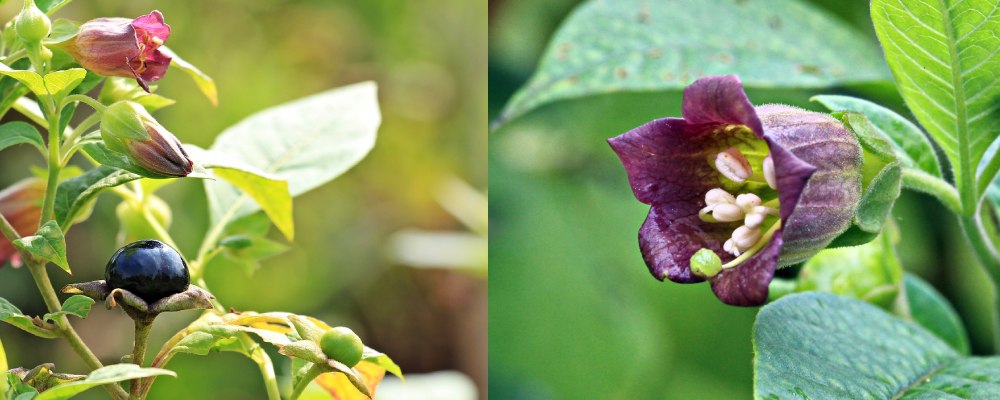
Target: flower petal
{"points": [[719, 100], [672, 234], [151, 25], [666, 160], [747, 284]]}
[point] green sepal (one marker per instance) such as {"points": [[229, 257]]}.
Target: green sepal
{"points": [[881, 181]]}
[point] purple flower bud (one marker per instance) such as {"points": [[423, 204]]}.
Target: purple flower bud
{"points": [[21, 204], [127, 128], [794, 174], [123, 47]]}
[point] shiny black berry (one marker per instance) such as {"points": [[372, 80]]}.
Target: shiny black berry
{"points": [[148, 268]]}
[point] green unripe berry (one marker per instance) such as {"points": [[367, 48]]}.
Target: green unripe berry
{"points": [[343, 345], [32, 25]]}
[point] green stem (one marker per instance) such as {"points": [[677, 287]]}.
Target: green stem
{"points": [[311, 374], [54, 165], [38, 271], [990, 260], [90, 101], [66, 330], [259, 356], [142, 328], [921, 181]]}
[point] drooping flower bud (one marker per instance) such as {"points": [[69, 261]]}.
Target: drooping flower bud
{"points": [[21, 204], [128, 128], [123, 47], [32, 25]]}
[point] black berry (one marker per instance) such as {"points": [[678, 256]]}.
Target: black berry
{"points": [[148, 268]]}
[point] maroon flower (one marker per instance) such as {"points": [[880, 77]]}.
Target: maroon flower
{"points": [[123, 47], [754, 187], [21, 205], [127, 128]]}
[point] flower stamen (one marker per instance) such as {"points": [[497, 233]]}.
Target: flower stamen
{"points": [[733, 165], [762, 241], [769, 172]]}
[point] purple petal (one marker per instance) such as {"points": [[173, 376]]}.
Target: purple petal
{"points": [[151, 25], [156, 67], [666, 159], [719, 100], [816, 206], [747, 284], [672, 233]]}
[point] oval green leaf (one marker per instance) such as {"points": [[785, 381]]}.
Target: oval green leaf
{"points": [[605, 47], [932, 311], [821, 346]]}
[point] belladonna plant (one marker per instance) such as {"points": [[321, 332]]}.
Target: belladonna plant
{"points": [[736, 190]]}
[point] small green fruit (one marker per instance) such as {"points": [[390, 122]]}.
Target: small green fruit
{"points": [[343, 345]]}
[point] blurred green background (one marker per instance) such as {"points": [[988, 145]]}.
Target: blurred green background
{"points": [[428, 58], [574, 312]]}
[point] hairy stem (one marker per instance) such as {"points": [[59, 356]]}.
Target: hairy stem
{"points": [[921, 181], [311, 374]]}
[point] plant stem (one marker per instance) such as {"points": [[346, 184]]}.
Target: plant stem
{"points": [[990, 260], [54, 165], [311, 374], [37, 269], [142, 328], [921, 181], [41, 278]]}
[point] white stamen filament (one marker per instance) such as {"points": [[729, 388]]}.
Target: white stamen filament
{"points": [[747, 201], [769, 172], [733, 165], [745, 237], [761, 242]]}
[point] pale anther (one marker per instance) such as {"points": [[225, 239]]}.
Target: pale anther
{"points": [[733, 165], [718, 196], [755, 216], [769, 172], [747, 201], [730, 247], [745, 237], [728, 213]]}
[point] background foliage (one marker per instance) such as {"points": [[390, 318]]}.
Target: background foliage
{"points": [[565, 227], [427, 58]]}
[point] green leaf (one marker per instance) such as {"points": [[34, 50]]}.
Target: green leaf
{"points": [[18, 132], [60, 83], [51, 6], [605, 47], [202, 80], [48, 244], [75, 195], [78, 305], [12, 315], [249, 251], [62, 30], [382, 360], [307, 142], [943, 56], [268, 191], [912, 147], [932, 311], [29, 79], [102, 376], [821, 346], [57, 84]]}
